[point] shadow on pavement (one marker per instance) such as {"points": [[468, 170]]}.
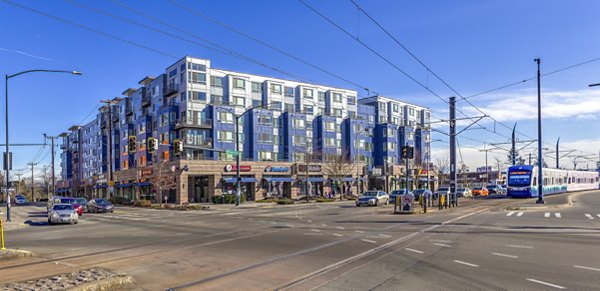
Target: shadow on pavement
{"points": [[36, 223], [37, 214]]}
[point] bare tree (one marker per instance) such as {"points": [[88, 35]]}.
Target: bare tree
{"points": [[163, 179], [463, 171], [442, 167], [337, 167]]}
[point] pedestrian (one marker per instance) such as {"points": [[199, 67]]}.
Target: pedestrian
{"points": [[166, 199]]}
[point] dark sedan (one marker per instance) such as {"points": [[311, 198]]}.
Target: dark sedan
{"points": [[100, 205]]}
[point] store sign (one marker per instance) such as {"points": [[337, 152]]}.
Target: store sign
{"points": [[271, 169], [232, 168], [484, 169], [311, 168], [376, 172]]}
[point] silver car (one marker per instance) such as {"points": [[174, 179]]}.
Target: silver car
{"points": [[373, 198], [62, 213]]}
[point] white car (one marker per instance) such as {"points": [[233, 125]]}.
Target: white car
{"points": [[373, 198], [63, 213]]}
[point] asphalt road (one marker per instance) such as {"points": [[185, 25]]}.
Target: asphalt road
{"points": [[480, 245]]}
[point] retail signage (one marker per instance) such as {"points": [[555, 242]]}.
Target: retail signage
{"points": [[376, 172], [484, 169], [311, 168], [231, 168], [272, 169]]}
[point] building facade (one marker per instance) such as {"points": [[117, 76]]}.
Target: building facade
{"points": [[288, 134]]}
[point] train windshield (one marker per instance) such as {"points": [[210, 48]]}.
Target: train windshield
{"points": [[519, 179]]}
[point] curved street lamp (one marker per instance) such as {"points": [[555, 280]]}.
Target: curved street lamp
{"points": [[7, 159]]}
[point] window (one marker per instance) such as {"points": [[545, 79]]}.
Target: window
{"points": [[299, 140], [337, 112], [226, 136], [410, 135], [351, 100], [196, 67], [225, 117], [239, 83], [299, 157], [142, 128], [182, 96], [265, 138], [308, 109], [389, 146], [351, 114], [395, 107], [265, 156], [391, 132], [359, 143], [307, 93], [265, 120], [240, 101], [382, 119], [198, 96], [276, 105], [289, 107], [276, 88], [395, 120], [337, 97], [256, 103], [216, 81], [216, 99], [321, 96], [381, 106], [329, 142], [411, 111], [256, 87], [329, 126], [299, 123], [197, 78], [173, 73], [289, 92]]}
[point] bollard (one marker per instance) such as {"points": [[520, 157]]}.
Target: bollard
{"points": [[2, 234], [424, 203]]}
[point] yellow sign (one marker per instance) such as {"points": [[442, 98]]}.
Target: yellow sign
{"points": [[111, 183], [2, 234]]}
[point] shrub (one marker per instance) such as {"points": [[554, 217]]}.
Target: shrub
{"points": [[285, 201], [120, 200], [352, 198], [227, 199], [323, 199], [143, 203], [268, 200]]}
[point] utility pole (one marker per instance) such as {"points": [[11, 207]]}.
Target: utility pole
{"points": [[32, 181], [540, 157], [487, 180], [52, 138], [109, 104], [513, 151], [557, 156], [453, 176]]}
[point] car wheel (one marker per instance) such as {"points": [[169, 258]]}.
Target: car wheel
{"points": [[377, 202], [76, 222], [49, 221]]}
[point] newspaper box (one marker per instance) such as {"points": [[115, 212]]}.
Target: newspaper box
{"points": [[404, 203]]}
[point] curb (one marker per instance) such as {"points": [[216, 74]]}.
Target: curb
{"points": [[9, 254], [106, 284]]}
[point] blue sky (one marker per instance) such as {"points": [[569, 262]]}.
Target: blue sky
{"points": [[472, 45]]}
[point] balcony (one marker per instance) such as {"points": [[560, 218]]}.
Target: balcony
{"points": [[146, 98], [171, 89], [63, 147], [128, 108], [199, 142], [193, 123]]}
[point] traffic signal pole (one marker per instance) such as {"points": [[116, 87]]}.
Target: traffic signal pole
{"points": [[453, 176]]}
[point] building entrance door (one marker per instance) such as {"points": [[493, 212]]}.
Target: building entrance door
{"points": [[199, 193]]}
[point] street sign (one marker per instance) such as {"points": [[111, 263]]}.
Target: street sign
{"points": [[232, 152]]}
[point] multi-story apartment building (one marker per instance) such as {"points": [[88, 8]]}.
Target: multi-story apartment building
{"points": [[288, 132]]}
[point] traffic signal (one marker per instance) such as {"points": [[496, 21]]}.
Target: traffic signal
{"points": [[152, 145], [407, 152], [177, 147], [131, 145]]}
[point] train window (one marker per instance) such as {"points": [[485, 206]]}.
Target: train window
{"points": [[534, 181], [569, 182]]}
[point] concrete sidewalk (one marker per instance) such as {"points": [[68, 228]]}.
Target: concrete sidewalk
{"points": [[18, 216]]}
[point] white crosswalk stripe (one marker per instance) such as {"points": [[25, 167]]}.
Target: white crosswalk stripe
{"points": [[520, 214], [589, 216], [510, 213], [547, 214], [598, 215], [557, 214]]}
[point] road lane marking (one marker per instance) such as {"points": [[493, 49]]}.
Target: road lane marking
{"points": [[505, 255], [598, 214], [337, 234], [309, 221], [520, 247], [323, 225], [289, 225], [545, 283], [369, 241], [557, 214], [413, 250], [312, 233], [466, 264], [315, 230], [359, 231], [547, 214], [340, 227], [384, 235], [441, 240], [587, 268], [510, 213], [520, 214], [589, 216], [443, 245], [273, 222]]}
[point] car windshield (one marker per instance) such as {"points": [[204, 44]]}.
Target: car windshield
{"points": [[81, 200], [102, 202], [461, 190], [477, 188], [398, 192], [68, 200], [420, 191], [370, 193], [443, 189], [62, 207]]}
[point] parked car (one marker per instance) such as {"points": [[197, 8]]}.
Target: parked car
{"points": [[480, 191], [494, 189], [100, 205], [83, 202], [464, 192], [396, 193], [62, 213], [504, 190], [373, 198], [425, 192], [73, 201], [20, 199]]}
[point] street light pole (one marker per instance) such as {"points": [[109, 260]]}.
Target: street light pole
{"points": [[540, 158], [7, 153], [237, 160]]}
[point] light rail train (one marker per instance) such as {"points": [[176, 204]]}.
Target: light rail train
{"points": [[523, 181]]}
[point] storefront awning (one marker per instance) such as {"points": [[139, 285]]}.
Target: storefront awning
{"points": [[430, 179], [144, 184], [124, 185], [316, 179], [232, 180], [278, 179], [101, 186], [348, 179]]}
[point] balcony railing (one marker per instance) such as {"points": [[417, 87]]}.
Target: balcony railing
{"points": [[171, 89], [199, 142], [128, 108], [193, 123], [146, 98]]}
